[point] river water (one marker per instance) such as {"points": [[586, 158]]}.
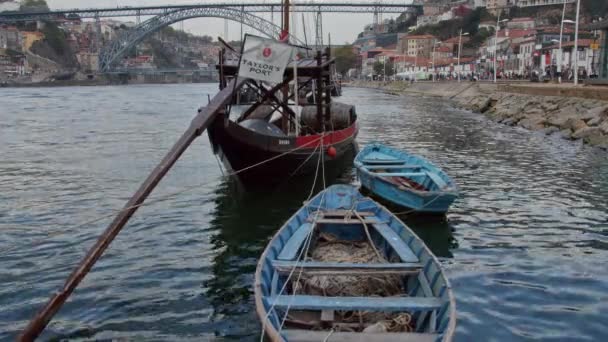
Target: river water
{"points": [[525, 246]]}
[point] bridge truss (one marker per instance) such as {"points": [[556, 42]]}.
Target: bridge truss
{"points": [[120, 45], [384, 6]]}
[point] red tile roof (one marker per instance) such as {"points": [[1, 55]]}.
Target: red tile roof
{"points": [[454, 40], [581, 43], [515, 33]]}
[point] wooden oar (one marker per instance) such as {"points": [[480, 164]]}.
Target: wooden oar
{"points": [[200, 122]]}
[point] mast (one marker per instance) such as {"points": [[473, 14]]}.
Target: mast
{"points": [[286, 17], [285, 90]]}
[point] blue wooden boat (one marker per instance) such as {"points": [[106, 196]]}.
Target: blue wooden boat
{"points": [[405, 179], [399, 293]]}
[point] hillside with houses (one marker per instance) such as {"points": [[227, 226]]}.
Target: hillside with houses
{"points": [[468, 39], [71, 46]]}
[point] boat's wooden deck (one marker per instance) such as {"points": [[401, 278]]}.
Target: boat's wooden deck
{"points": [[296, 335], [422, 302]]}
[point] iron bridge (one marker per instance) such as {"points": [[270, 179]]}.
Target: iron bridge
{"points": [[116, 48], [385, 6]]}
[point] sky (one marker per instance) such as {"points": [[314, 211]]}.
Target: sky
{"points": [[343, 27]]}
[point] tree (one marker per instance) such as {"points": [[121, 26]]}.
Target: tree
{"points": [[595, 8], [34, 6], [379, 68], [345, 59]]}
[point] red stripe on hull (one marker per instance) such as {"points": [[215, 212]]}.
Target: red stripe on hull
{"points": [[330, 139]]}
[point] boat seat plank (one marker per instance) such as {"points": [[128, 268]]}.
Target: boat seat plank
{"points": [[383, 161], [369, 220], [291, 248], [400, 174], [389, 167], [436, 179], [343, 213], [405, 253], [384, 304], [298, 335], [345, 268]]}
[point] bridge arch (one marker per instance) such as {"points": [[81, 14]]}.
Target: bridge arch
{"points": [[121, 44]]}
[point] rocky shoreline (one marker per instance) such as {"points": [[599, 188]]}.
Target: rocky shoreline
{"points": [[572, 118]]}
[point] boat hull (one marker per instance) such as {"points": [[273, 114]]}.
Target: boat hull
{"points": [[404, 179], [416, 201], [260, 158], [400, 246]]}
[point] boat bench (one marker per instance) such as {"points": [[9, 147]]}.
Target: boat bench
{"points": [[400, 174], [383, 161], [394, 240], [291, 248], [437, 179], [346, 268], [389, 167], [297, 335], [385, 304]]}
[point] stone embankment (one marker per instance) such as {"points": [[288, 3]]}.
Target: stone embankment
{"points": [[572, 118], [529, 106]]}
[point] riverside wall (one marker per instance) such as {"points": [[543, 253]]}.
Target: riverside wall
{"points": [[574, 113]]}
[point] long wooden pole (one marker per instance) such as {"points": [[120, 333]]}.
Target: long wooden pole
{"points": [[199, 124]]}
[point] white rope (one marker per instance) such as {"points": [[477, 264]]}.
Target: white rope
{"points": [[314, 223], [303, 252], [159, 199]]}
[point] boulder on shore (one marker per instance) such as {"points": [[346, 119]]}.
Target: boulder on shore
{"points": [[591, 135]]}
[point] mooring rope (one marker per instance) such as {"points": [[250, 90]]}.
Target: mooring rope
{"points": [[312, 228], [303, 252]]}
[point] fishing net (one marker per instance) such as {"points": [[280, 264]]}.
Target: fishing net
{"points": [[329, 249]]}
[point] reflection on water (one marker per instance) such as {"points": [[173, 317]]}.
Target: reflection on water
{"points": [[524, 247], [435, 230]]}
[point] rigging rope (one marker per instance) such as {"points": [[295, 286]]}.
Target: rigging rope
{"points": [[304, 251]]}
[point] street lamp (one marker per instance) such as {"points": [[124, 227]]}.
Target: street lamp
{"points": [[561, 53], [498, 21], [434, 44], [459, 50], [578, 12], [416, 62]]}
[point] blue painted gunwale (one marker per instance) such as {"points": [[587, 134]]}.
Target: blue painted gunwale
{"points": [[376, 156], [431, 281]]}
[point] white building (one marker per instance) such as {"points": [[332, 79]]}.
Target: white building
{"points": [[530, 3], [425, 20]]}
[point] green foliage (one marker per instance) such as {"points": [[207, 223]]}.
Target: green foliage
{"points": [[595, 8], [56, 38], [182, 36], [477, 39], [345, 58], [379, 68], [33, 6], [402, 24], [469, 24]]}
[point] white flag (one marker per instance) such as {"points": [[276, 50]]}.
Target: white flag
{"points": [[264, 59]]}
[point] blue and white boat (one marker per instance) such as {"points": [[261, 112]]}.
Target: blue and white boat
{"points": [[389, 286], [404, 179]]}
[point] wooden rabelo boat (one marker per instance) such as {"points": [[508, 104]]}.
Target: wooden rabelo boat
{"points": [[343, 268], [264, 121], [405, 179]]}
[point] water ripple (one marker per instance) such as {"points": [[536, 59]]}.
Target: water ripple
{"points": [[524, 246]]}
